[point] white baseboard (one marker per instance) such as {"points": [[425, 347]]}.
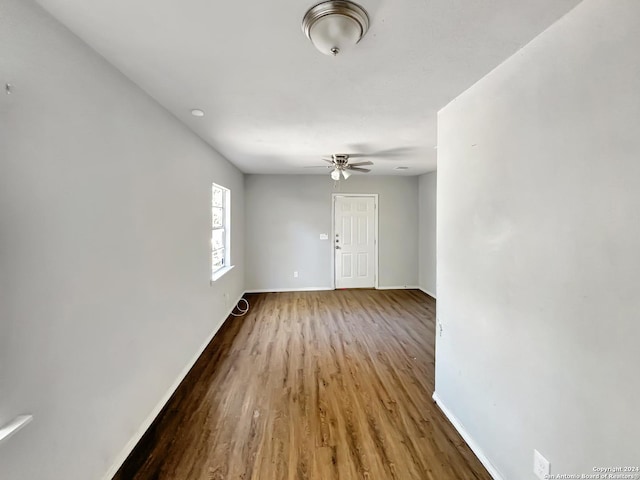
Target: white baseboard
{"points": [[432, 295], [280, 290], [493, 471], [321, 289], [163, 401], [399, 287]]}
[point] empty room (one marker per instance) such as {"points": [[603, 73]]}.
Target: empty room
{"points": [[339, 240]]}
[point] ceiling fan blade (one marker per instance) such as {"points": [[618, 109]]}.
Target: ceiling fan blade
{"points": [[328, 160], [359, 169], [317, 166], [357, 164]]}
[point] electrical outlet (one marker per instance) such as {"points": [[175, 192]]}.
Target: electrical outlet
{"points": [[295, 274], [541, 466]]}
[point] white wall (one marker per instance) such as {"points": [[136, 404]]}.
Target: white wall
{"points": [[287, 213], [427, 193], [104, 251], [538, 237]]}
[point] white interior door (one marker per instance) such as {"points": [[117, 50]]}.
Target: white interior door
{"points": [[355, 241]]}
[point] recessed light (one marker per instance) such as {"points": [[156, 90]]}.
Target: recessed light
{"points": [[401, 168], [196, 112]]}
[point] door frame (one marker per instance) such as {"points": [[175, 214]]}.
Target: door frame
{"points": [[376, 276]]}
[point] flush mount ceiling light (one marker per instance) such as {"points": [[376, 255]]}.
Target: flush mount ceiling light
{"points": [[196, 112], [336, 25]]}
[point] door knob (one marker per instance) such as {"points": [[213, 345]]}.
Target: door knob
{"points": [[338, 247]]}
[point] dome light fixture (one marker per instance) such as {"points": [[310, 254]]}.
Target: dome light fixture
{"points": [[335, 25]]}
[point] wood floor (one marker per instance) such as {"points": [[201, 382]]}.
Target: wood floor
{"points": [[313, 385]]}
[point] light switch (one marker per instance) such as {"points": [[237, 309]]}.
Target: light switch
{"points": [[324, 236]]}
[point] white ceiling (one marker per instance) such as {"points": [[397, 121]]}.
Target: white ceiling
{"points": [[274, 104]]}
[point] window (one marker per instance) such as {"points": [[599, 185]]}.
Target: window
{"points": [[220, 197]]}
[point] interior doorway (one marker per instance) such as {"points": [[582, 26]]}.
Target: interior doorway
{"points": [[355, 240]]}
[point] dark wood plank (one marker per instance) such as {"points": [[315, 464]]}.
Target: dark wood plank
{"points": [[313, 385]]}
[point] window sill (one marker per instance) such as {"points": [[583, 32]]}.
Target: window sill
{"points": [[220, 273]]}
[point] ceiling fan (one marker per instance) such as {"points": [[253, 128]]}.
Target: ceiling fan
{"points": [[340, 165]]}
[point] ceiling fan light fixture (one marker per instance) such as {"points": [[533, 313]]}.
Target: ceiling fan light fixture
{"points": [[335, 174], [336, 25], [346, 174]]}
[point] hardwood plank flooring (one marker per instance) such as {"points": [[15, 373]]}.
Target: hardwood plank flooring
{"points": [[311, 385]]}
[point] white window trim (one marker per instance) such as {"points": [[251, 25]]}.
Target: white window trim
{"points": [[227, 230], [220, 272]]}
